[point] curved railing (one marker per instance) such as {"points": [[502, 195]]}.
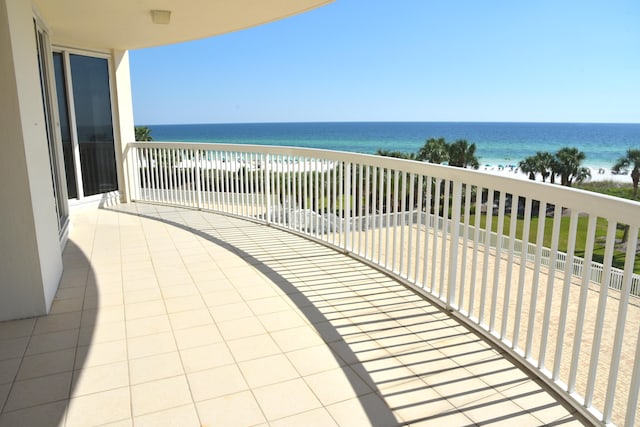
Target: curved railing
{"points": [[575, 322]]}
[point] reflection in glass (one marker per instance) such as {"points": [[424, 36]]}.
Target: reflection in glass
{"points": [[92, 102], [65, 130]]}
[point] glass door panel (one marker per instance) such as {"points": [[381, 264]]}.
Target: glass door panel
{"points": [[94, 126], [65, 125]]}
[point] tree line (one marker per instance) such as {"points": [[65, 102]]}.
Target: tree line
{"points": [[459, 154], [566, 164]]}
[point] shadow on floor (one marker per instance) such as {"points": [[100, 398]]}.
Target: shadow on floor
{"points": [[359, 321], [41, 357]]}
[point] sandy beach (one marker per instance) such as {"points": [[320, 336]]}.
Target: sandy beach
{"points": [[597, 174]]}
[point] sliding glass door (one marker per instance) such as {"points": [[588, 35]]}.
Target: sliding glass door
{"points": [[86, 125]]}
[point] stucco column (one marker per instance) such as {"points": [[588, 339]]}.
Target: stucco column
{"points": [[123, 119]]}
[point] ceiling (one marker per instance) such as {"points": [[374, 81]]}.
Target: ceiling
{"points": [[126, 24]]}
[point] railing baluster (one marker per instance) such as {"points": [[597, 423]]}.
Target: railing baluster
{"points": [[524, 259], [410, 249], [602, 305], [169, 176], [305, 196], [334, 201], [249, 173], [551, 273], [465, 244], [476, 244], [388, 221], [435, 230], [367, 210], [427, 228], [380, 215], [198, 177], [634, 387], [315, 194], [154, 175], [278, 198], [396, 179], [444, 234], [187, 168], [323, 201], [161, 177], [513, 222], [536, 278], [243, 182], [566, 290], [347, 207], [485, 255], [454, 242], [623, 305], [497, 261], [341, 198], [403, 209], [227, 182], [419, 213], [359, 205]]}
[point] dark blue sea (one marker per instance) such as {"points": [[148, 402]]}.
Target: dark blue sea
{"points": [[497, 143]]}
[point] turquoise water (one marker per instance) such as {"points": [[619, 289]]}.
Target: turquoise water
{"points": [[497, 143]]}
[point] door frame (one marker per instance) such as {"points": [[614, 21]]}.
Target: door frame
{"points": [[52, 120], [65, 51]]}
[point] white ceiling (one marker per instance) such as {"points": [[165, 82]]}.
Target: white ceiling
{"points": [[126, 24]]}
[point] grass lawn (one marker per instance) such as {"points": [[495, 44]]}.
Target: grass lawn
{"points": [[610, 188], [581, 237]]}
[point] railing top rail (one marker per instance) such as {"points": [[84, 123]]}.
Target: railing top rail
{"points": [[612, 208]]}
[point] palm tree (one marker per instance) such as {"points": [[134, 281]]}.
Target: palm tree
{"points": [[433, 151], [632, 158], [463, 155], [569, 166], [529, 166], [544, 164], [143, 133]]}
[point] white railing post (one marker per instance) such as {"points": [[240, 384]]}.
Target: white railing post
{"points": [[623, 305], [634, 388], [198, 179], [267, 170], [454, 242], [346, 208], [600, 315], [582, 304]]}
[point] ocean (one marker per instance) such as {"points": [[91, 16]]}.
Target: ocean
{"points": [[496, 143]]}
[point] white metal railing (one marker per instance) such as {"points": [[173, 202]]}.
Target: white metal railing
{"points": [[425, 224]]}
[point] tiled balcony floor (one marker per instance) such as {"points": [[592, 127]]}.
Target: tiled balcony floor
{"points": [[175, 317]]}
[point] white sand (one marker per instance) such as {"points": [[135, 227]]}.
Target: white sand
{"points": [[597, 174]]}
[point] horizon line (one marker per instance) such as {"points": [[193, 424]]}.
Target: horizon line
{"points": [[387, 121]]}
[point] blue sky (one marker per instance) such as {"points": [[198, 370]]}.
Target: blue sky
{"points": [[405, 60]]}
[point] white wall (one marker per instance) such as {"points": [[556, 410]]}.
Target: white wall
{"points": [[30, 256]]}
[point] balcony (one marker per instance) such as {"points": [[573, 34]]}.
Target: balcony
{"points": [[288, 286], [171, 315]]}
